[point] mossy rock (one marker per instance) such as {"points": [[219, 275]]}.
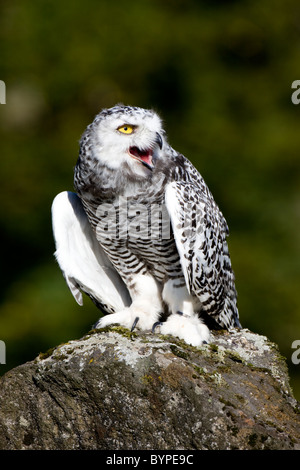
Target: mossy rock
{"points": [[116, 389]]}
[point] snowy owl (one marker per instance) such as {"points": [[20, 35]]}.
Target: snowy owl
{"points": [[142, 236]]}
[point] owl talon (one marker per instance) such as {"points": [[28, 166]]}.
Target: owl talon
{"points": [[134, 323], [155, 325], [181, 314]]}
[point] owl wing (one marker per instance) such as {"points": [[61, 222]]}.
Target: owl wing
{"points": [[200, 232], [84, 264]]}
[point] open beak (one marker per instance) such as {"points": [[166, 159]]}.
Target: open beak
{"points": [[145, 156]]}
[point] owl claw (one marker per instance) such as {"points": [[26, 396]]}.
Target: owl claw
{"points": [[134, 323], [155, 325]]}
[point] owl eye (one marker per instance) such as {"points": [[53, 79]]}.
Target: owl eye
{"points": [[126, 129]]}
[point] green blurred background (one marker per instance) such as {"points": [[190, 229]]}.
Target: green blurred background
{"points": [[220, 75]]}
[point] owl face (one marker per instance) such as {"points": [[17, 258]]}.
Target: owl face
{"points": [[128, 137]]}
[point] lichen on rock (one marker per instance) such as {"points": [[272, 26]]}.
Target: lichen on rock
{"points": [[114, 389]]}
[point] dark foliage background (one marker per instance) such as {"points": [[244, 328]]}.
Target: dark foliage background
{"points": [[219, 73]]}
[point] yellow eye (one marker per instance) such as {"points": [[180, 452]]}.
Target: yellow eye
{"points": [[126, 129]]}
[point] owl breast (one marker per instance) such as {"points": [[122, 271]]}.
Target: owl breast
{"points": [[136, 234]]}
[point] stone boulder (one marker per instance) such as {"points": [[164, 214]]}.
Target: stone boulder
{"points": [[116, 390]]}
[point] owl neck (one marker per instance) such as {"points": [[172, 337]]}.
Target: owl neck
{"points": [[104, 184]]}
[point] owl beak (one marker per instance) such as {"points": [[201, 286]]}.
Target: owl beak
{"points": [[143, 156], [159, 140], [146, 157]]}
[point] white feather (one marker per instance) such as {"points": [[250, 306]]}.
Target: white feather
{"points": [[180, 214], [83, 262], [176, 216]]}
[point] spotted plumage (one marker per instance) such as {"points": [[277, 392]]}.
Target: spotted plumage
{"points": [[144, 237]]}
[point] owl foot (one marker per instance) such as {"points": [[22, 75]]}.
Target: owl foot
{"points": [[131, 317], [190, 329]]}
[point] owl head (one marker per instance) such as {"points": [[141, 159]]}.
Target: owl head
{"points": [[126, 138]]}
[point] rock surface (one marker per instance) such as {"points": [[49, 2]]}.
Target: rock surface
{"points": [[116, 390]]}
